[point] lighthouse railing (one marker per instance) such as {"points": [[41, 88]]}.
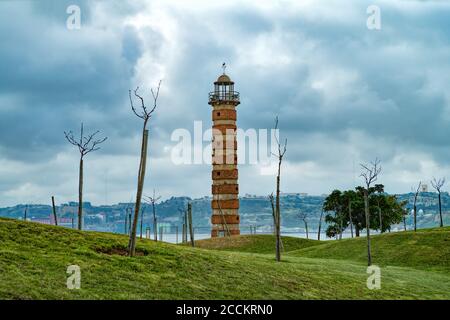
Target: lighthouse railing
{"points": [[223, 96]]}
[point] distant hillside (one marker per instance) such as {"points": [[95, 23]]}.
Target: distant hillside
{"points": [[34, 260], [254, 210]]}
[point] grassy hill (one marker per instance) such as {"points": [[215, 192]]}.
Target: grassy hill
{"points": [[427, 249], [34, 259], [254, 243]]}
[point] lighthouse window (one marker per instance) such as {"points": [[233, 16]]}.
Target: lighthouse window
{"points": [[218, 173], [218, 113]]}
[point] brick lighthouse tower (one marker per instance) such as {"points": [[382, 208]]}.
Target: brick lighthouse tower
{"points": [[225, 188]]}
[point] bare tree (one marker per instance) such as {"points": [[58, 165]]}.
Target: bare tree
{"points": [[85, 145], [369, 174], [145, 114], [438, 184], [277, 214], [416, 194], [303, 216], [152, 200]]}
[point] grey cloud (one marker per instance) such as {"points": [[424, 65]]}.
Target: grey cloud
{"points": [[379, 94]]}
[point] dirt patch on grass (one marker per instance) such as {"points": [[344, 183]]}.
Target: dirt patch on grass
{"points": [[120, 251]]}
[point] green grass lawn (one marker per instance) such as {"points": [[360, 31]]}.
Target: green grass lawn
{"points": [[34, 259], [427, 249], [254, 243]]}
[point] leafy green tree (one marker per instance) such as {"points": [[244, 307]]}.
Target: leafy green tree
{"points": [[341, 205]]}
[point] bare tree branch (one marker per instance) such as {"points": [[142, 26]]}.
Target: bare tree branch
{"points": [[86, 144], [144, 114], [281, 150], [438, 183], [370, 173]]}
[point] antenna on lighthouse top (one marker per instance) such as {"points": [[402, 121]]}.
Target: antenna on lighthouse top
{"points": [[224, 66]]}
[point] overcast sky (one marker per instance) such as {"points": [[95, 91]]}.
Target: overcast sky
{"points": [[344, 94]]}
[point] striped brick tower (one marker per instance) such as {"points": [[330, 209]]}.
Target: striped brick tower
{"points": [[225, 188]]}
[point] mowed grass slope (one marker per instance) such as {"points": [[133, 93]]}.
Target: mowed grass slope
{"points": [[34, 259], [254, 243], [427, 249]]}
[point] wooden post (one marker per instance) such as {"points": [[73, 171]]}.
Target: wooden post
{"points": [[54, 211], [176, 237], [126, 222], [129, 223], [350, 216], [183, 228], [141, 178], [73, 221], [80, 196], [306, 228], [186, 227], [142, 219], [25, 213], [191, 229]]}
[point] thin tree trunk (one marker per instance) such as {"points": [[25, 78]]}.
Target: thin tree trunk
{"points": [[306, 228], [277, 214], [415, 217], [126, 222], [320, 225], [25, 213], [381, 220], [191, 229], [54, 211], [142, 220], [185, 227], [350, 217], [155, 230], [404, 222], [140, 187], [366, 207], [274, 215], [440, 210], [80, 196], [129, 223]]}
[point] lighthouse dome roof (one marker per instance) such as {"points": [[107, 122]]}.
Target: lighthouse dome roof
{"points": [[224, 79]]}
